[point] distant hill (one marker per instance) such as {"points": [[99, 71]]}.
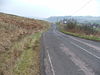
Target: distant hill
{"points": [[78, 18]]}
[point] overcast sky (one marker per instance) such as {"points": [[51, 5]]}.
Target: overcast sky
{"points": [[46, 8]]}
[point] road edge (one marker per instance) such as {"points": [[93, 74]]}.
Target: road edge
{"points": [[42, 56]]}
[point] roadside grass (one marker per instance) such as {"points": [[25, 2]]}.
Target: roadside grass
{"points": [[19, 44], [23, 58], [94, 38], [28, 63]]}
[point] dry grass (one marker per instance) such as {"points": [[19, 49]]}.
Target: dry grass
{"points": [[17, 44], [28, 63]]}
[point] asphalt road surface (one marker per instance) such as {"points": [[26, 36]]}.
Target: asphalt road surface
{"points": [[68, 55]]}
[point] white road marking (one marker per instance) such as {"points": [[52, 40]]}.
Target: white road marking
{"points": [[77, 61], [52, 68], [88, 44], [51, 65], [85, 50]]}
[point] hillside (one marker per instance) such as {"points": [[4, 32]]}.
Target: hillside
{"points": [[19, 44]]}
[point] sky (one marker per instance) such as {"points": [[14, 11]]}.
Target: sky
{"points": [[47, 8]]}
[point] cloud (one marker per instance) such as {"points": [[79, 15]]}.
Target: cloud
{"points": [[2, 2], [45, 8]]}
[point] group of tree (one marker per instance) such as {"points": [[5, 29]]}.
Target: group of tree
{"points": [[73, 25]]}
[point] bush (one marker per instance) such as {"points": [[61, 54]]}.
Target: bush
{"points": [[88, 29], [71, 24]]}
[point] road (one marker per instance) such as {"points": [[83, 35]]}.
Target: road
{"points": [[68, 55]]}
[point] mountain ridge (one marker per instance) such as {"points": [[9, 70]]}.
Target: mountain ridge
{"points": [[93, 19]]}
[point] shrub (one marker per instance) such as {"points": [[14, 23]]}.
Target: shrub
{"points": [[71, 24], [88, 29]]}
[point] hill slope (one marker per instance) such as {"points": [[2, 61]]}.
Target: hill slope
{"points": [[19, 44]]}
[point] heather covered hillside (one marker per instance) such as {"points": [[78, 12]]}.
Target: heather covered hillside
{"points": [[23, 22], [19, 44]]}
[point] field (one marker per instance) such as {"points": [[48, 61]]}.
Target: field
{"points": [[19, 44]]}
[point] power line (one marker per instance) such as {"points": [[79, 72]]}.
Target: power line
{"points": [[82, 7]]}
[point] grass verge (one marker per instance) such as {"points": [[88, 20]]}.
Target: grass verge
{"points": [[82, 36], [28, 63]]}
